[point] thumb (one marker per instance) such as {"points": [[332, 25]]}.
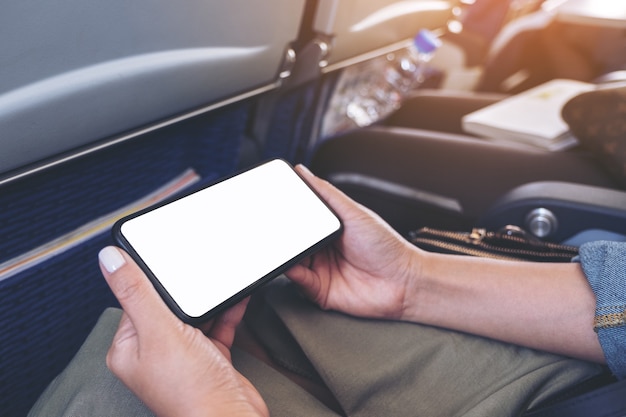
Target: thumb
{"points": [[136, 294]]}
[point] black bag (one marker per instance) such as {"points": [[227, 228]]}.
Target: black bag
{"points": [[598, 120], [508, 243]]}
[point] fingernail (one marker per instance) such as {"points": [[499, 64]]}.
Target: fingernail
{"points": [[111, 259], [305, 170]]}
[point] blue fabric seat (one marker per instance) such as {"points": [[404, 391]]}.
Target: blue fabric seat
{"points": [[48, 309]]}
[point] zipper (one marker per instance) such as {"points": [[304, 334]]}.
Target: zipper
{"points": [[462, 249], [478, 236]]}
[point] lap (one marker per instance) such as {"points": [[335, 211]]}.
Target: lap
{"points": [[378, 368], [87, 387], [370, 367]]}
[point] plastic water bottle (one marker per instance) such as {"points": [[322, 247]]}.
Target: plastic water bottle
{"points": [[410, 68], [372, 90], [425, 44]]}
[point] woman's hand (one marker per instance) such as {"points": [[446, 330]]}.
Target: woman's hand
{"points": [[174, 368], [367, 271]]}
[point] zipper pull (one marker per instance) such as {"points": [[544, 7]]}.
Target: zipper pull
{"points": [[518, 232], [477, 235]]}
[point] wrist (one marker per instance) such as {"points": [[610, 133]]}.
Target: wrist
{"points": [[416, 285], [437, 288]]}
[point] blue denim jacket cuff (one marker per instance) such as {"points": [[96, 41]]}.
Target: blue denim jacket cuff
{"points": [[605, 269]]}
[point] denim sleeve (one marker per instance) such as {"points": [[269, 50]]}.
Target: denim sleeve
{"points": [[604, 264]]}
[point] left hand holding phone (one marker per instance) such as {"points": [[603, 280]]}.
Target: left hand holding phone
{"points": [[171, 366]]}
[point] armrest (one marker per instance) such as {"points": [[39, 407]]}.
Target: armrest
{"points": [[559, 210], [440, 110], [415, 177]]}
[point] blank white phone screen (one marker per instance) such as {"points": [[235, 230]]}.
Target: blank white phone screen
{"points": [[212, 244]]}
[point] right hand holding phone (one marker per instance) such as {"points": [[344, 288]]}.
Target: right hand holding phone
{"points": [[367, 271]]}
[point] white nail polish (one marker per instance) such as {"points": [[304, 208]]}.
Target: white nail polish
{"points": [[111, 259]]}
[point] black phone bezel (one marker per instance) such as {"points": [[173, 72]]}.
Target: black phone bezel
{"points": [[242, 294]]}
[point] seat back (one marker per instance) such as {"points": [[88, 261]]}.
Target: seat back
{"points": [[77, 73], [106, 108]]}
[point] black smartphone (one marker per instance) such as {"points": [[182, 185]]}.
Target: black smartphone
{"points": [[210, 248]]}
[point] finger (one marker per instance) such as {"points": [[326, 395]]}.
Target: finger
{"points": [[340, 202], [300, 274], [133, 290], [118, 358], [323, 187], [307, 280], [225, 324], [125, 331]]}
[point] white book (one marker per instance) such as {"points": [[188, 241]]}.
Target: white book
{"points": [[531, 117]]}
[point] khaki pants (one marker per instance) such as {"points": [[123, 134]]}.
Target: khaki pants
{"points": [[372, 368]]}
